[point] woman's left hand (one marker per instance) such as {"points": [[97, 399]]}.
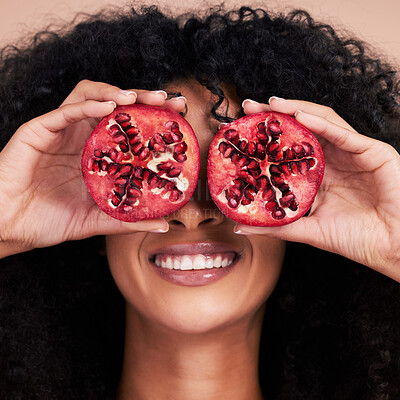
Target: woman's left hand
{"points": [[356, 211]]}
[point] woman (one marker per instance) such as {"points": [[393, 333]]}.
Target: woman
{"points": [[330, 326]]}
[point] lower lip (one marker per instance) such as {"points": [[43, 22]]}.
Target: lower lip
{"points": [[199, 277]]}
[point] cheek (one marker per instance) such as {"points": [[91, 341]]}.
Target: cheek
{"points": [[265, 267], [123, 259]]}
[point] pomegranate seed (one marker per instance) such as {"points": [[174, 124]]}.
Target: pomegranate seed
{"points": [[277, 180], [222, 147], [293, 168], [164, 166], [137, 148], [132, 131], [114, 130], [262, 182], [180, 157], [303, 166], [285, 169], [308, 149], [138, 173], [121, 181], [134, 192], [115, 200], [298, 150], [245, 201], [233, 203], [135, 139], [278, 213], [175, 195], [272, 147], [242, 145], [287, 199], [122, 117], [180, 148], [232, 136], [289, 155], [293, 205], [271, 205], [98, 153], [171, 125], [274, 170], [126, 169], [268, 194], [228, 151], [113, 168], [174, 172], [250, 193], [119, 139], [144, 153], [235, 191], [119, 191], [311, 162], [235, 157], [251, 148], [243, 161], [136, 182], [124, 147]]}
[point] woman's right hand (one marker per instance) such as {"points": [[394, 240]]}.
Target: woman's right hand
{"points": [[43, 197]]}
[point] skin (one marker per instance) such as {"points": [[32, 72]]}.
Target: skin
{"points": [[201, 341], [202, 344]]}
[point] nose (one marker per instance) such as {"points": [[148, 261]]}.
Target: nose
{"points": [[199, 212]]}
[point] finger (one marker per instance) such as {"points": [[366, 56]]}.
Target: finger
{"points": [[291, 106], [99, 223], [177, 104], [152, 98], [100, 91], [343, 138], [304, 230], [41, 132], [251, 107]]}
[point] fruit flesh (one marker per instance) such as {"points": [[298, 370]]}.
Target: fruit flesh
{"points": [[141, 162], [264, 169]]}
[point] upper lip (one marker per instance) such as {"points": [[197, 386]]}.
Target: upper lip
{"points": [[195, 248]]}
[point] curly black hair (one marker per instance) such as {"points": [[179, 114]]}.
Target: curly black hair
{"points": [[331, 327]]}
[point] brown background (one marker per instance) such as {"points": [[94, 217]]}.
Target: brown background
{"points": [[374, 21]]}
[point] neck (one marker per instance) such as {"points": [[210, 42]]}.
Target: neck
{"points": [[161, 364]]}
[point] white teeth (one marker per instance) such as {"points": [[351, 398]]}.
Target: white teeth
{"points": [[217, 262], [199, 262], [209, 262], [194, 262], [168, 263], [186, 263], [176, 264]]}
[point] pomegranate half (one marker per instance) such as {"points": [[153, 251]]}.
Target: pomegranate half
{"points": [[141, 162], [264, 169]]}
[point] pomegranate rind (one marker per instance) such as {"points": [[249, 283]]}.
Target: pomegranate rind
{"points": [[153, 202], [299, 175]]}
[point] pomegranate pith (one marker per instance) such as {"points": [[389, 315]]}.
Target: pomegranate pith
{"points": [[264, 169], [141, 162]]}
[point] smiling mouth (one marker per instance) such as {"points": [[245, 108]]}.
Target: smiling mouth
{"points": [[194, 261]]}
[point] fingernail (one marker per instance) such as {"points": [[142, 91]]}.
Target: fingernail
{"points": [[159, 230], [222, 124], [240, 231], [249, 101], [128, 93], [178, 98], [297, 113], [274, 98], [157, 92], [111, 102]]}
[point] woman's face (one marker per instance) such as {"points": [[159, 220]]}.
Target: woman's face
{"points": [[200, 300]]}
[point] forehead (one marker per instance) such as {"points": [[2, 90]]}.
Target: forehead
{"points": [[200, 99]]}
